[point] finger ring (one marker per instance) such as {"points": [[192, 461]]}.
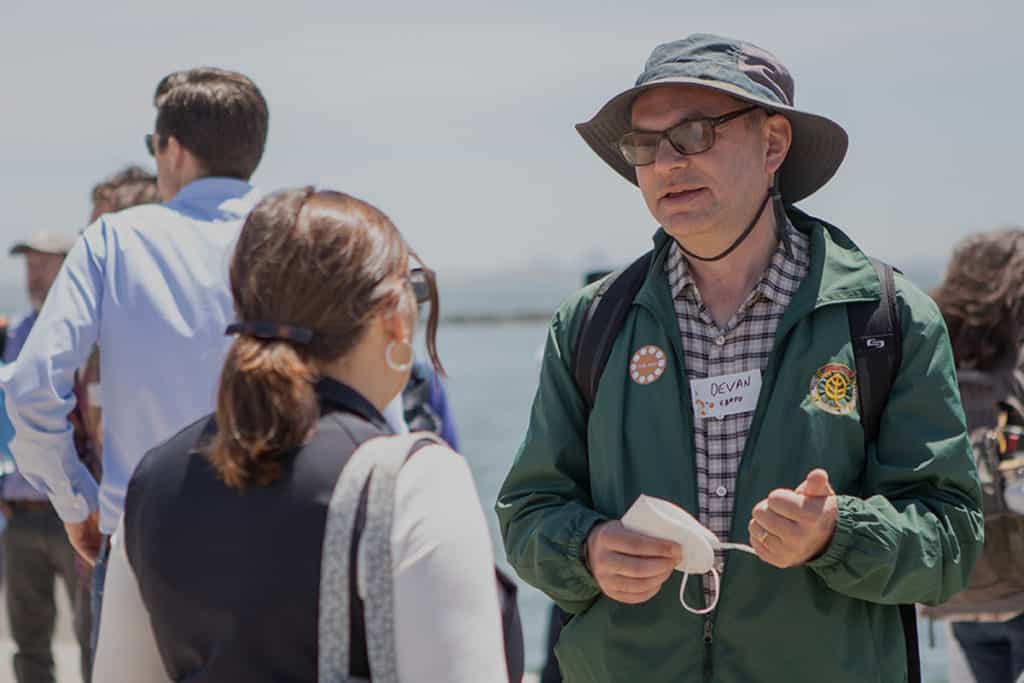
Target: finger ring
{"points": [[764, 537]]}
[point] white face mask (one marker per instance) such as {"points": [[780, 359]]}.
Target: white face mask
{"points": [[661, 519]]}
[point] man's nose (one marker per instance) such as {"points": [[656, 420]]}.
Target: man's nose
{"points": [[667, 158]]}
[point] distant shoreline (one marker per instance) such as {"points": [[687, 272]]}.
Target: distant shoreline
{"points": [[513, 318]]}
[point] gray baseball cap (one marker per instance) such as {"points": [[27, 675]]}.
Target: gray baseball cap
{"points": [[46, 243], [745, 72]]}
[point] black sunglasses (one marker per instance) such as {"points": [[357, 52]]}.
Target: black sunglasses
{"points": [[150, 144], [640, 147], [420, 285]]}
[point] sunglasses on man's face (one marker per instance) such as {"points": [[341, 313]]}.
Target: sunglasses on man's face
{"points": [[151, 144], [640, 147]]}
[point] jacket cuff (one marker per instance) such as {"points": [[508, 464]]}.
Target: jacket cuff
{"points": [[842, 539], [575, 549]]}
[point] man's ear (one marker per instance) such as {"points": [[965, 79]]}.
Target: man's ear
{"points": [[174, 151], [183, 161], [779, 133]]}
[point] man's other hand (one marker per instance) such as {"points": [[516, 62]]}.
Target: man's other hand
{"points": [[629, 567], [791, 527]]}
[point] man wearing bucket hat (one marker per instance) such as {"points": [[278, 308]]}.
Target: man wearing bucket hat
{"points": [[731, 390]]}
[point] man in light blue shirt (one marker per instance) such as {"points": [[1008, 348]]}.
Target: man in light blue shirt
{"points": [[149, 285]]}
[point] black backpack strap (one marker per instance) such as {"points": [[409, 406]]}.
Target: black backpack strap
{"points": [[908, 615], [876, 333], [876, 336], [601, 325]]}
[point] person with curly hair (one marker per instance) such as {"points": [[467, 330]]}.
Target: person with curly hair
{"points": [[982, 301]]}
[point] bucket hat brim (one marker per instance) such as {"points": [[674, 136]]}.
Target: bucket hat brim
{"points": [[817, 150]]}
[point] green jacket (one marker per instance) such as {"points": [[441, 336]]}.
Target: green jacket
{"points": [[909, 526]]}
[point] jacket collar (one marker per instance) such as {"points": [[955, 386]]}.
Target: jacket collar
{"points": [[334, 395], [839, 272]]}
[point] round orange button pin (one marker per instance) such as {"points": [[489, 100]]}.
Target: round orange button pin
{"points": [[647, 365]]}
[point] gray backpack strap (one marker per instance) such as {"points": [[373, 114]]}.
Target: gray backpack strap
{"points": [[382, 458], [334, 634]]}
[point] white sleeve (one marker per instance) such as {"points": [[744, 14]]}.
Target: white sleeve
{"points": [[126, 649], [394, 415], [447, 619]]}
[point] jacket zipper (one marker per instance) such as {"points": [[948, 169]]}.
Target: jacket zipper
{"points": [[709, 667]]}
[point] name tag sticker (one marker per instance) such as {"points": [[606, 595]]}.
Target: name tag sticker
{"points": [[725, 395]]}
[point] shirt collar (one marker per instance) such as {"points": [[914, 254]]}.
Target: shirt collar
{"points": [[215, 187], [790, 260], [338, 396], [779, 281]]}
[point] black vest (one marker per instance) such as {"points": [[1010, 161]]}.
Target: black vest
{"points": [[231, 578]]}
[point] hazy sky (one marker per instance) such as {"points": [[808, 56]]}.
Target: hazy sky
{"points": [[456, 117]]}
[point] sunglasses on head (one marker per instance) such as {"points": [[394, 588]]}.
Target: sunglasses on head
{"points": [[640, 148], [420, 285]]}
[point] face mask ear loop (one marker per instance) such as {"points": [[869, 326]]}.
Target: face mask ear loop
{"points": [[682, 595]]}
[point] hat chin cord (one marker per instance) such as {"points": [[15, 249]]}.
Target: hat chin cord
{"points": [[780, 220]]}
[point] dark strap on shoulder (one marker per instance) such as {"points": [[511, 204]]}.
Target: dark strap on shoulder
{"points": [[605, 317], [876, 333], [419, 446], [876, 336]]}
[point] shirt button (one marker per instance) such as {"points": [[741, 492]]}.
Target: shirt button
{"points": [[720, 341], [721, 491]]}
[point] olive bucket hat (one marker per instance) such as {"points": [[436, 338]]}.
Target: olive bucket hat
{"points": [[745, 72]]}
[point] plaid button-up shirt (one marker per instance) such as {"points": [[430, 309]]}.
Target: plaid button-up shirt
{"points": [[743, 345]]}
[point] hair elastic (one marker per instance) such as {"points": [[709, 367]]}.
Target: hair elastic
{"points": [[270, 330]]}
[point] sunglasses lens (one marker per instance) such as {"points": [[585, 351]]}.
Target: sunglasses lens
{"points": [[420, 286], [692, 137], [639, 149], [149, 144]]}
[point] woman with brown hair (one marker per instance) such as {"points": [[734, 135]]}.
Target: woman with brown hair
{"points": [[220, 548], [982, 302]]}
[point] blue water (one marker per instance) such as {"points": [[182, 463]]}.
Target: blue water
{"points": [[493, 375]]}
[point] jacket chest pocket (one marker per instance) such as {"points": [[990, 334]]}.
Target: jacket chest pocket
{"points": [[818, 424], [639, 433]]}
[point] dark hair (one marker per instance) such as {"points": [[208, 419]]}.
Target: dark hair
{"points": [[128, 187], [982, 298], [220, 116], [292, 245]]}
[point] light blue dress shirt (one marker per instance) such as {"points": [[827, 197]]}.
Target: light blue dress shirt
{"points": [[149, 284]]}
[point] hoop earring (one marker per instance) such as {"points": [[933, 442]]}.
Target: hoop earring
{"points": [[397, 367]]}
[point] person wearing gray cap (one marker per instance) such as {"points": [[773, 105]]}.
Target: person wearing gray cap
{"points": [[761, 373], [44, 253], [36, 549]]}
